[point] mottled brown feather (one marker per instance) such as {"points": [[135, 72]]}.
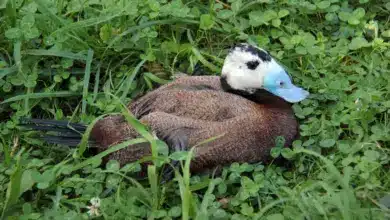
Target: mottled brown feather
{"points": [[249, 128]]}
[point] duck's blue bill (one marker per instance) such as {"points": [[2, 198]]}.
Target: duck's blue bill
{"points": [[279, 83], [291, 93]]}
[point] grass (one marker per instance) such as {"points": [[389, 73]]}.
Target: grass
{"points": [[81, 60]]}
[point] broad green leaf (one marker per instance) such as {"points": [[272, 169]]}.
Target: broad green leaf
{"points": [[344, 16], [225, 14], [257, 18], [372, 155], [263, 40], [112, 165], [333, 8], [276, 22], [359, 13], [358, 42], [222, 188], [175, 8], [162, 147], [154, 5], [246, 209], [17, 80], [301, 50], [236, 5], [283, 13], [353, 21], [327, 143], [32, 33], [105, 32], [112, 181], [308, 40], [206, 21], [296, 39], [386, 33], [313, 50], [13, 33], [269, 15], [287, 153], [27, 21], [30, 7], [275, 152], [179, 155], [27, 181], [276, 216], [280, 141], [323, 4]]}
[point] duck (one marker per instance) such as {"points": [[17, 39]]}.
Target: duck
{"points": [[247, 107]]}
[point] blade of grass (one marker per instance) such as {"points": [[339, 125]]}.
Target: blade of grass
{"points": [[84, 140], [13, 189], [65, 54], [269, 206], [4, 72], [86, 23], [185, 196], [110, 150], [7, 151], [152, 176], [26, 101], [205, 202], [41, 95], [87, 75], [129, 80], [11, 11], [184, 185], [96, 86], [156, 79], [17, 55]]}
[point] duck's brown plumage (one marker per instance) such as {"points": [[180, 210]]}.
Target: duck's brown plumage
{"points": [[193, 109]]}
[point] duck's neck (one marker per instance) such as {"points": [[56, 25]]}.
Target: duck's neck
{"points": [[260, 96]]}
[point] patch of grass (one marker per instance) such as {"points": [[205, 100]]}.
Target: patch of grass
{"points": [[64, 60]]}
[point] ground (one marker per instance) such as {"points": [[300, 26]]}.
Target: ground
{"points": [[77, 60]]}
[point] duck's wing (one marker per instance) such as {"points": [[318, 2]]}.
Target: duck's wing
{"points": [[208, 105], [246, 138], [185, 83]]}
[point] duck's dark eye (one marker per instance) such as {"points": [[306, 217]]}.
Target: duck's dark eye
{"points": [[252, 64], [281, 83]]}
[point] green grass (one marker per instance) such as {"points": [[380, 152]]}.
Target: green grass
{"points": [[81, 60]]}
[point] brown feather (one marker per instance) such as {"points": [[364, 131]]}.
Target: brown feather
{"points": [[199, 108]]}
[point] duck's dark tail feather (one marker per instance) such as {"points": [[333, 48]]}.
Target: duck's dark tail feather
{"points": [[65, 133]]}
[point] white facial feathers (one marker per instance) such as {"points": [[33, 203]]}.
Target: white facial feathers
{"points": [[246, 66]]}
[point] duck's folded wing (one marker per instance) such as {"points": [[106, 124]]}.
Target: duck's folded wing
{"points": [[202, 104], [141, 106], [244, 138]]}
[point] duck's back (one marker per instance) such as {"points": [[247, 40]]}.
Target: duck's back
{"points": [[201, 97]]}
